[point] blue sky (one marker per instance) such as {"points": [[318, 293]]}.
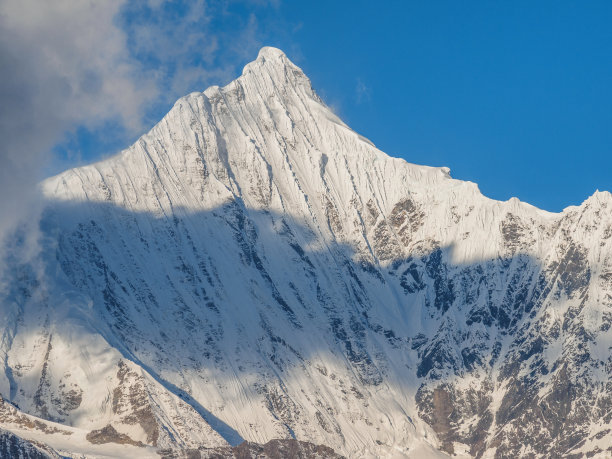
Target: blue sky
{"points": [[514, 96]]}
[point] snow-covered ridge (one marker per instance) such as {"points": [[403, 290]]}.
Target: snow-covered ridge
{"points": [[253, 269]]}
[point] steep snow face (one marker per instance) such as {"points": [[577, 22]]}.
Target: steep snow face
{"points": [[252, 269]]}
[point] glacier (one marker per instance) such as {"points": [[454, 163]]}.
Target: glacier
{"points": [[253, 270]]}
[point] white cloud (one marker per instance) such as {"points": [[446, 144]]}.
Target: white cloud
{"points": [[64, 63]]}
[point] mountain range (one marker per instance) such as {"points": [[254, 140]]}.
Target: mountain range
{"points": [[252, 277]]}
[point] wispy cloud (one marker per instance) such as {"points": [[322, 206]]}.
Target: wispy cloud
{"points": [[186, 46], [362, 91], [171, 41]]}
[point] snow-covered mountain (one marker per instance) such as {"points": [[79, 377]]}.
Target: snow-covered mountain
{"points": [[253, 270]]}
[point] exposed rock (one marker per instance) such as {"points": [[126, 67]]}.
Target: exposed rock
{"points": [[108, 434], [274, 449], [131, 401], [14, 447]]}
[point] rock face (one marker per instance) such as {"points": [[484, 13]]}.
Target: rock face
{"points": [[12, 446], [274, 449], [252, 269]]}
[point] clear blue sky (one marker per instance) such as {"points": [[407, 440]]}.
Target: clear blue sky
{"points": [[515, 96]]}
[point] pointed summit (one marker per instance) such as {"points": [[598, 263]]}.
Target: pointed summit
{"points": [[269, 57], [275, 63], [270, 52]]}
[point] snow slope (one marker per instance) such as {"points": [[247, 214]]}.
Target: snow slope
{"points": [[252, 269]]}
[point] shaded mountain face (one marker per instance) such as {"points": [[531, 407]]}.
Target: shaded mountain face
{"points": [[253, 270]]}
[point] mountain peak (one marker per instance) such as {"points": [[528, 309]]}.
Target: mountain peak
{"points": [[274, 62], [600, 198], [270, 52]]}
